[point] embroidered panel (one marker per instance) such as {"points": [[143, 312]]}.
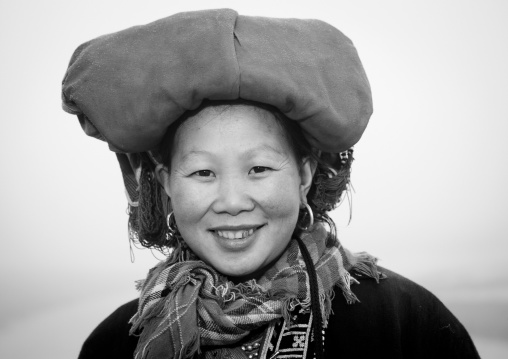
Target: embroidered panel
{"points": [[282, 340], [291, 340]]}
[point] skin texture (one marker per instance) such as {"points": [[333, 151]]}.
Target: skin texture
{"points": [[232, 169]]}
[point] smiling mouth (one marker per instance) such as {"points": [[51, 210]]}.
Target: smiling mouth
{"points": [[236, 234]]}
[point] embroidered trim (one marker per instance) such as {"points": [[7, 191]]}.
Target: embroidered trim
{"points": [[295, 340]]}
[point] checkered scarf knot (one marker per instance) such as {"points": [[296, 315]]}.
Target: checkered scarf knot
{"points": [[186, 305]]}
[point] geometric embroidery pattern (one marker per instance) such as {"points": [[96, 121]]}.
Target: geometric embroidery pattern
{"points": [[292, 340]]}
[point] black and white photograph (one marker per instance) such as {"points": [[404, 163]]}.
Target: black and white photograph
{"points": [[255, 179]]}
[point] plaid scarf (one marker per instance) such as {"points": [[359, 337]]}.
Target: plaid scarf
{"points": [[186, 305]]}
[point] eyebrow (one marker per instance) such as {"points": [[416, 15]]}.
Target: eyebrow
{"points": [[263, 147], [193, 153]]}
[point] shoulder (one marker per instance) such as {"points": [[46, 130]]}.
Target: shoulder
{"points": [[395, 291], [401, 319], [111, 338]]}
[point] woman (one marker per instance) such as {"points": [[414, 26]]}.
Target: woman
{"points": [[233, 134]]}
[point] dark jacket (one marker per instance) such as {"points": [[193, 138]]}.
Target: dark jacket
{"points": [[394, 319]]}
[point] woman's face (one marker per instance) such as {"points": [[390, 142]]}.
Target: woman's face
{"points": [[235, 187]]}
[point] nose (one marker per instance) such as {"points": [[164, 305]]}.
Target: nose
{"points": [[232, 197]]}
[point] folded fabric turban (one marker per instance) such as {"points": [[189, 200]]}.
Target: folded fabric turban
{"points": [[129, 86]]}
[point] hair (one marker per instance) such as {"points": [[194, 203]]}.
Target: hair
{"points": [[147, 221]]}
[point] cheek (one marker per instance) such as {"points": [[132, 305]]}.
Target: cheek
{"points": [[187, 203], [281, 199]]}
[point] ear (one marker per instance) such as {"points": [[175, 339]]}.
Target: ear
{"points": [[162, 175], [307, 170]]}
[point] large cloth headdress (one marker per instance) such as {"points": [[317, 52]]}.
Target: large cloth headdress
{"points": [[128, 87]]}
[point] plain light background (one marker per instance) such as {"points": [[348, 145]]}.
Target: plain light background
{"points": [[430, 174]]}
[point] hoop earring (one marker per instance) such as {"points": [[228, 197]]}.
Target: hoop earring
{"points": [[172, 228], [311, 216]]}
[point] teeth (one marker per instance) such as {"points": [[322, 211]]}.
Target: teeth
{"points": [[235, 234]]}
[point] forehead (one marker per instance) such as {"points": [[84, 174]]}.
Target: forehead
{"points": [[239, 126]]}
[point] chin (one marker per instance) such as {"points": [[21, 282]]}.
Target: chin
{"points": [[240, 268], [236, 271]]}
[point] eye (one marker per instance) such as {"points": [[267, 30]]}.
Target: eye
{"points": [[259, 169], [203, 173]]}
